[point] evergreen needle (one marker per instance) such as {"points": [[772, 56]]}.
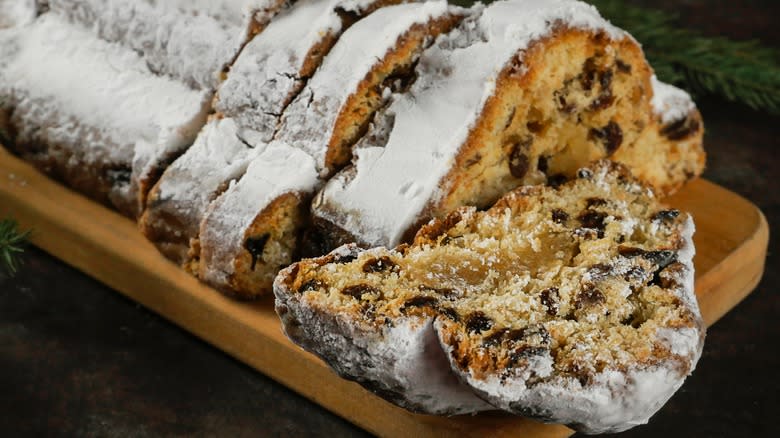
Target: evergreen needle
{"points": [[739, 71], [12, 243]]}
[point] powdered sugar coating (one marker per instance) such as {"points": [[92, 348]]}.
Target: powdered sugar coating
{"points": [[249, 101], [685, 277], [394, 181], [310, 119], [278, 169], [670, 102], [15, 13], [189, 40], [267, 73], [218, 156], [404, 363], [103, 103], [591, 409]]}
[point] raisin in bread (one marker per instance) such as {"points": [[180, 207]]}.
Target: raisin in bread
{"points": [[90, 112], [246, 229], [527, 92], [191, 41], [267, 74], [572, 304]]}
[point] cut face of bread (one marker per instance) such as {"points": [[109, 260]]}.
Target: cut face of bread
{"points": [[402, 361], [526, 93], [334, 107], [104, 124], [269, 72], [669, 152], [191, 41], [572, 304], [251, 230]]}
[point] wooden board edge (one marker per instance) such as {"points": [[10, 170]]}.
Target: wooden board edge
{"points": [[743, 270]]}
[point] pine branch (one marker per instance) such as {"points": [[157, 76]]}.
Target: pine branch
{"points": [[12, 244], [739, 71]]}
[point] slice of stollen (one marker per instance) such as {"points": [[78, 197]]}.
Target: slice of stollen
{"points": [[572, 305]]}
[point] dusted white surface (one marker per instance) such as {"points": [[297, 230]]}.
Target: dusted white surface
{"points": [[16, 12], [189, 40], [310, 119], [266, 75], [277, 169], [218, 156], [670, 102], [96, 98]]}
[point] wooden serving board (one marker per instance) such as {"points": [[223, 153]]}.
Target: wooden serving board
{"points": [[731, 243]]}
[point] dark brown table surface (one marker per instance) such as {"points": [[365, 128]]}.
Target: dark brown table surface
{"points": [[76, 358]]}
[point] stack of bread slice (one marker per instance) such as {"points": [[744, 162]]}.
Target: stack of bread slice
{"points": [[252, 229], [268, 74]]}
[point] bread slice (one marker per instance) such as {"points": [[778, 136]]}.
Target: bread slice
{"points": [[251, 230], [268, 73], [572, 304], [179, 200], [523, 94], [90, 112], [329, 114], [191, 41]]}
